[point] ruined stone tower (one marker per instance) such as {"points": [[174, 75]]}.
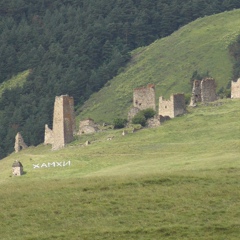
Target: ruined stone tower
{"points": [[63, 121], [203, 91], [19, 143], [235, 89], [48, 136], [208, 86], [173, 107], [144, 97], [196, 93]]}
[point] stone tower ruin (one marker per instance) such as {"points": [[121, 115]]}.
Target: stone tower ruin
{"points": [[48, 135], [144, 97], [19, 143], [173, 107], [235, 89], [63, 121], [203, 91], [87, 126]]}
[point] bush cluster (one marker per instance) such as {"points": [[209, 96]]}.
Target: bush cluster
{"points": [[119, 123], [142, 116]]}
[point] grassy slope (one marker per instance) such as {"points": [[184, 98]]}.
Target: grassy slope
{"points": [[169, 63], [16, 81], [178, 181]]}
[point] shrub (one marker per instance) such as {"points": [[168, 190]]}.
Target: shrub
{"points": [[188, 98], [119, 123], [148, 113], [139, 118], [142, 116]]}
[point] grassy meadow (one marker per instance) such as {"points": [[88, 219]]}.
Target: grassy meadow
{"points": [[169, 64], [177, 181]]}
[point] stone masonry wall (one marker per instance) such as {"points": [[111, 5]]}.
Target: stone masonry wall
{"points": [[132, 112], [203, 91], [19, 143], [166, 107], [144, 97], [86, 122], [196, 93], [48, 136], [63, 121], [208, 87], [17, 168], [179, 104], [173, 107], [87, 126], [235, 89]]}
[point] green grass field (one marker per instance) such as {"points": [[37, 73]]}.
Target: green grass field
{"points": [[169, 63], [177, 181]]}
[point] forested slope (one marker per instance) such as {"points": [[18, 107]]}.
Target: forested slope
{"points": [[75, 47]]}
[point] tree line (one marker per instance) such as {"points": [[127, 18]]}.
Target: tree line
{"points": [[74, 47]]}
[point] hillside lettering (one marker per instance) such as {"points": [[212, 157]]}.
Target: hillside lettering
{"points": [[52, 164]]}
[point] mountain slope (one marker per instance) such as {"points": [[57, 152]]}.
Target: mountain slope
{"points": [[177, 181], [169, 63]]}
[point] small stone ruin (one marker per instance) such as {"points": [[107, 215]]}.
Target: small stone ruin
{"points": [[19, 143], [87, 127], [17, 168], [153, 122], [235, 89]]}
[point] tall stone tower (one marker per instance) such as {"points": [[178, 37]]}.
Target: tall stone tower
{"points": [[63, 121]]}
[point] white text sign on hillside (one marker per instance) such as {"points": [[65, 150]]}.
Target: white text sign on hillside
{"points": [[52, 164]]}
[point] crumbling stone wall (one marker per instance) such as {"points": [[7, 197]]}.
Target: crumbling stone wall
{"points": [[208, 87], [179, 104], [153, 122], [19, 143], [196, 93], [144, 97], [173, 107], [203, 91], [87, 126], [235, 89], [48, 136], [63, 121], [132, 112]]}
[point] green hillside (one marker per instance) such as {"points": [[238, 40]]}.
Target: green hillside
{"points": [[169, 63], [177, 181], [16, 81]]}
